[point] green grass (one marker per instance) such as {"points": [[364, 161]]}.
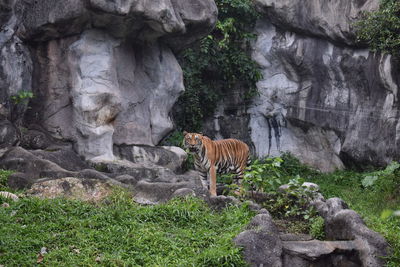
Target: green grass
{"points": [[183, 232], [3, 179], [118, 232]]}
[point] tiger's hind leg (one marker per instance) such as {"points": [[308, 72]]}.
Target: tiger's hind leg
{"points": [[204, 180], [239, 174], [213, 181]]}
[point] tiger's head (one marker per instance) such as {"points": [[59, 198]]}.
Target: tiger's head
{"points": [[193, 141]]}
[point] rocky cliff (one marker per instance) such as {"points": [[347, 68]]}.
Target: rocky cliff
{"points": [[323, 97], [102, 73]]}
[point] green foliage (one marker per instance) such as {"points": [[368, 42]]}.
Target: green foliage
{"points": [[317, 228], [22, 97], [176, 138], [263, 175], [3, 179], [118, 232], [389, 213], [389, 175], [220, 62], [371, 202], [369, 180], [381, 29], [293, 201], [290, 203]]}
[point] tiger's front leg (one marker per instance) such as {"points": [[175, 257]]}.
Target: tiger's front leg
{"points": [[213, 181]]}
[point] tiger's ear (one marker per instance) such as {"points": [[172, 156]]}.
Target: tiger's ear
{"points": [[185, 133]]}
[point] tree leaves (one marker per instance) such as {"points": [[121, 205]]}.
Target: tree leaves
{"points": [[381, 29]]}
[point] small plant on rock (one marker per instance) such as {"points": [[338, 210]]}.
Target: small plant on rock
{"points": [[317, 228], [263, 175], [22, 97], [293, 200]]}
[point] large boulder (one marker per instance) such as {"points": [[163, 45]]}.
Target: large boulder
{"points": [[62, 172], [261, 243], [73, 188], [342, 223], [103, 72]]}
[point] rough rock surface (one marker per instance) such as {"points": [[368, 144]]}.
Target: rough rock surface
{"points": [[74, 188], [103, 72], [166, 156], [45, 172], [324, 97], [15, 70], [342, 223], [323, 18], [320, 253], [331, 103], [261, 243], [351, 242]]}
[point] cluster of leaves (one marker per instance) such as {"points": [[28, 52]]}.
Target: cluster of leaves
{"points": [[118, 232], [385, 179], [381, 28], [263, 175], [290, 202], [21, 97], [221, 61]]}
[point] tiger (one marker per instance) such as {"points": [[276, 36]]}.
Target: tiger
{"points": [[222, 156]]}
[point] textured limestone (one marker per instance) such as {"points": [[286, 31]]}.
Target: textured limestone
{"points": [[15, 66], [324, 18], [166, 156], [104, 71], [323, 97], [330, 103]]}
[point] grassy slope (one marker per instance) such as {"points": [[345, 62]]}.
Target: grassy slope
{"points": [[180, 233], [120, 233]]}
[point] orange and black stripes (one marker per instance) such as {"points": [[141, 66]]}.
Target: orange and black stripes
{"points": [[222, 156]]}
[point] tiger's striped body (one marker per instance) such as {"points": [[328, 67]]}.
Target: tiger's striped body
{"points": [[221, 156]]}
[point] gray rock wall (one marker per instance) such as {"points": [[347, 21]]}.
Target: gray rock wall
{"points": [[15, 65], [332, 101], [102, 72], [324, 97]]}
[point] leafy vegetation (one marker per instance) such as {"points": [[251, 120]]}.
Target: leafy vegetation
{"points": [[22, 97], [375, 195], [381, 29], [118, 232], [288, 205], [219, 62], [3, 179]]}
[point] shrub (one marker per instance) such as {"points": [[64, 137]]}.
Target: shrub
{"points": [[317, 228], [381, 29]]}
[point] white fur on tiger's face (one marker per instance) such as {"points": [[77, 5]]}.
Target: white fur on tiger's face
{"points": [[193, 142]]}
